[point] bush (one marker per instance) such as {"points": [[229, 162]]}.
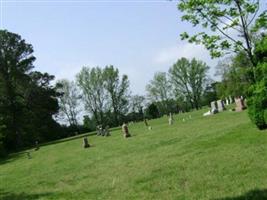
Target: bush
{"points": [[257, 105], [2, 150], [257, 95], [152, 111]]}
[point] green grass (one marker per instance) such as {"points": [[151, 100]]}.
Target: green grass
{"points": [[218, 157]]}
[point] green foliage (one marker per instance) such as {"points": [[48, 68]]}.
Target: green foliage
{"points": [[257, 104], [89, 123], [257, 101], [91, 82], [236, 74], [228, 22], [189, 79], [152, 111], [210, 93], [159, 90], [118, 92], [28, 101], [69, 100], [105, 95]]}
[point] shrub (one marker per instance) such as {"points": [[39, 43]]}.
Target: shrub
{"points": [[257, 105], [257, 94]]}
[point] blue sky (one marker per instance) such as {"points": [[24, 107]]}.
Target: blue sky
{"points": [[138, 37]]}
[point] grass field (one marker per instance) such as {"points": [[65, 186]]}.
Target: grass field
{"points": [[220, 157]]}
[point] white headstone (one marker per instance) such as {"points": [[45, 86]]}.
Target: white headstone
{"points": [[214, 108], [220, 105]]}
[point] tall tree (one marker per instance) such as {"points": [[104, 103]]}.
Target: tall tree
{"points": [[159, 90], [42, 104], [230, 23], [91, 81], [27, 101], [234, 72], [16, 61], [69, 101], [137, 103], [188, 79], [118, 91], [257, 93]]}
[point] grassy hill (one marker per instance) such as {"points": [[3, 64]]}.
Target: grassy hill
{"points": [[218, 157]]}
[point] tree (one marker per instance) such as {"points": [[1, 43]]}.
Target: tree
{"points": [[257, 93], [159, 90], [88, 123], [189, 79], [152, 111], [27, 101], [118, 91], [91, 82], [137, 103], [42, 104], [69, 101], [230, 23], [16, 61], [235, 74]]}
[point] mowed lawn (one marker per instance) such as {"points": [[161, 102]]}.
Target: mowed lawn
{"points": [[218, 157]]}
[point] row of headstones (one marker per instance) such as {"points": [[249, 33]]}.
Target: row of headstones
{"points": [[218, 106], [106, 132], [100, 131]]}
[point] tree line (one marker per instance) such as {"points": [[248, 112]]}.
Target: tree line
{"points": [[33, 109]]}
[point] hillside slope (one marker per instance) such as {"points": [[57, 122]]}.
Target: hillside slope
{"points": [[217, 157]]}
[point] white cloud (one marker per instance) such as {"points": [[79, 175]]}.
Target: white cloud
{"points": [[172, 54], [168, 56], [63, 70]]}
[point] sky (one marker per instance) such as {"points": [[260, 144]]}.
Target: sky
{"points": [[139, 37]]}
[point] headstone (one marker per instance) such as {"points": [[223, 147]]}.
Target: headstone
{"points": [[227, 101], [85, 143], [106, 131], [220, 105], [37, 147], [214, 108], [170, 119], [102, 131], [125, 130], [240, 105], [146, 122], [230, 100]]}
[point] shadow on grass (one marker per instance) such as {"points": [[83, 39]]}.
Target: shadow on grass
{"points": [[12, 157], [251, 195], [76, 137], [24, 153], [22, 196]]}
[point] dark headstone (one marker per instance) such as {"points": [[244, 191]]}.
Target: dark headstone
{"points": [[125, 130], [85, 143], [106, 131], [146, 123]]}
